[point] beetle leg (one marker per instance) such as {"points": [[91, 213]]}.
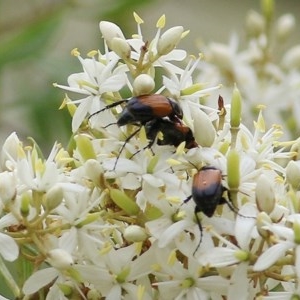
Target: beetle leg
{"points": [[123, 146], [200, 228], [187, 199], [144, 148]]}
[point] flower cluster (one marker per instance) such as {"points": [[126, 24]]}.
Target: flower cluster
{"points": [[109, 217], [266, 70]]}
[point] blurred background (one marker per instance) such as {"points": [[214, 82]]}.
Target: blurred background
{"points": [[36, 37]]}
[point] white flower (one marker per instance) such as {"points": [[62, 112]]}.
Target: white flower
{"points": [[97, 79]]}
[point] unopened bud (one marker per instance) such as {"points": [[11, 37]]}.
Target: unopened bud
{"points": [[293, 174], [169, 40], [221, 56], [60, 259], [120, 47], [267, 7], [265, 196], [25, 204], [124, 202], [262, 220], [291, 59], [7, 187], [93, 170], [296, 227], [204, 131], [233, 170], [236, 108], [135, 233], [143, 85], [54, 197], [285, 26], [242, 255], [109, 31], [255, 23], [85, 147]]}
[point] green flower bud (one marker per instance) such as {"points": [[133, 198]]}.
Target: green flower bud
{"points": [[267, 7], [66, 289], [25, 204], [90, 218], [143, 85], [169, 40], [293, 174], [236, 108], [85, 147], [242, 255], [121, 277], [296, 227], [124, 202], [233, 170], [265, 196], [135, 233]]}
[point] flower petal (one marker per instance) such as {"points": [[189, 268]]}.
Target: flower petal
{"points": [[38, 280], [271, 255], [8, 247]]}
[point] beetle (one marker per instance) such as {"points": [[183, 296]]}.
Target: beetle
{"points": [[207, 193], [142, 109], [174, 133]]}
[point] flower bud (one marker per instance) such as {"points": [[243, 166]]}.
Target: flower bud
{"points": [[109, 31], [296, 228], [255, 23], [169, 40], [85, 147], [285, 26], [9, 149], [60, 259], [204, 131], [233, 170], [267, 7], [261, 221], [143, 85], [264, 193], [135, 233], [221, 56], [120, 47], [291, 59], [25, 204], [54, 197], [124, 202], [236, 108], [293, 174], [242, 255], [93, 170], [7, 187], [90, 218]]}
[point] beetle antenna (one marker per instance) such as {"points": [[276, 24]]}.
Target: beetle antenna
{"points": [[107, 107], [123, 146]]}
